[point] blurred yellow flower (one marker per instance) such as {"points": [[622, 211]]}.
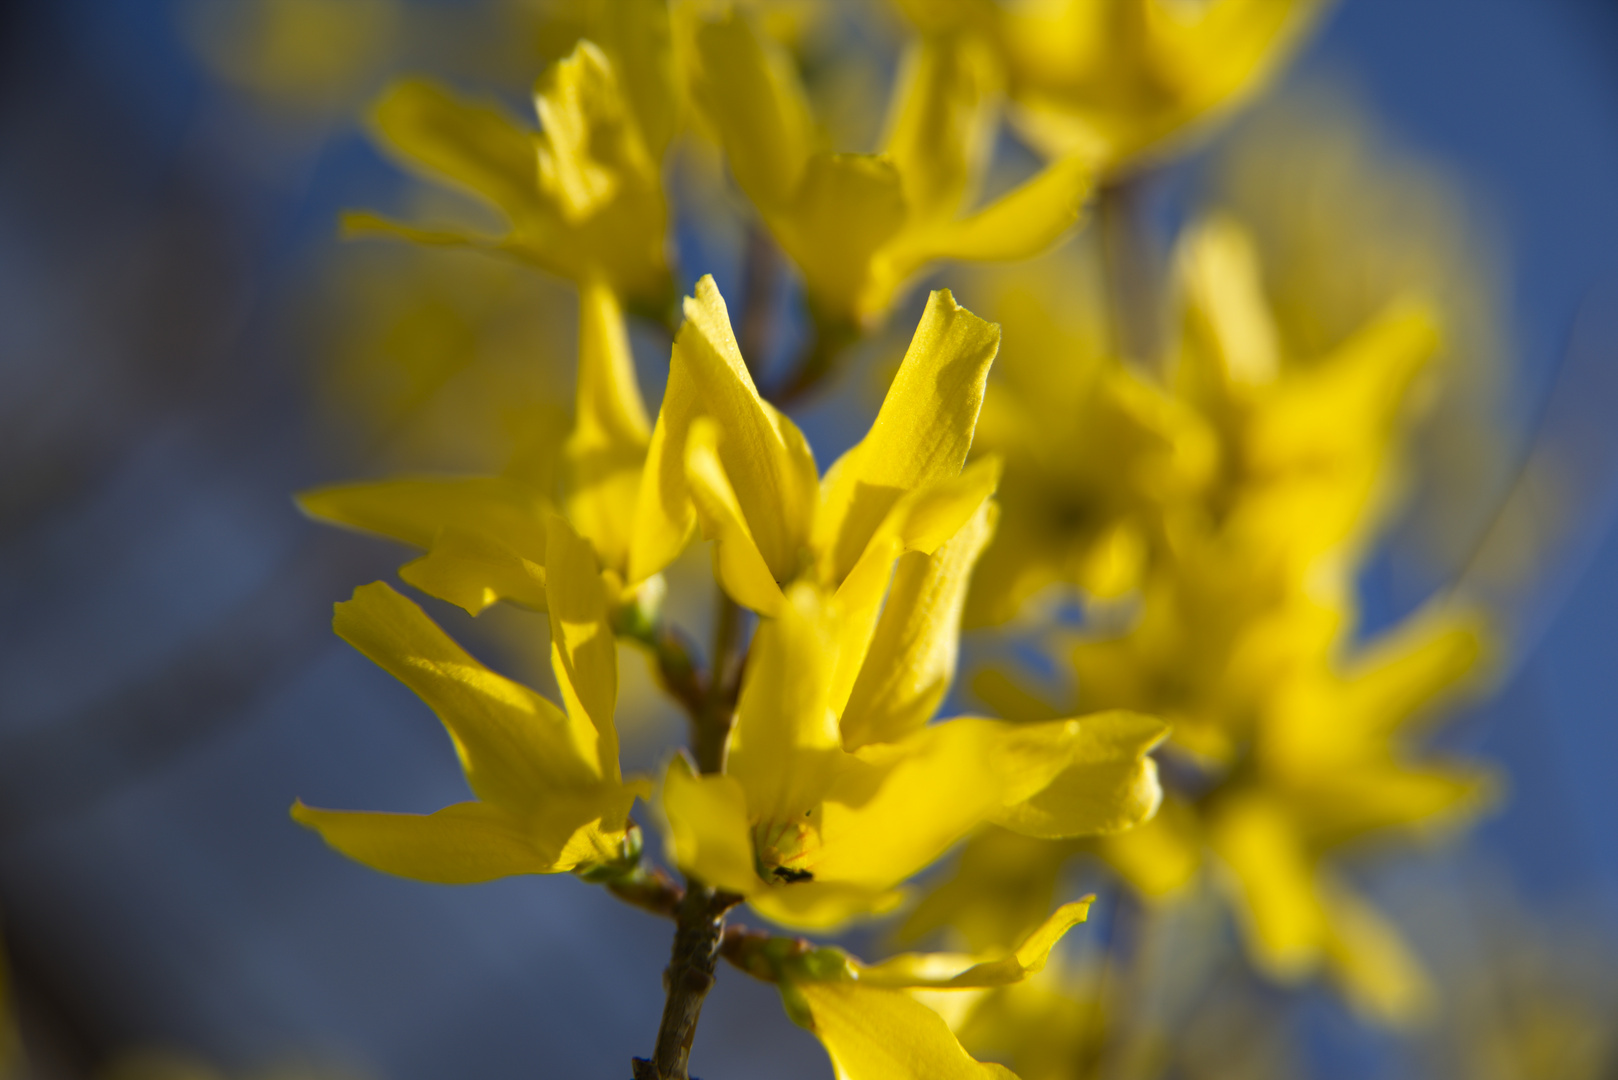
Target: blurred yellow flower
{"points": [[859, 226], [1108, 81]]}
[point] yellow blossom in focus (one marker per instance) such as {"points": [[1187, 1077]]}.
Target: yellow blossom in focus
{"points": [[859, 226], [838, 788], [549, 794]]}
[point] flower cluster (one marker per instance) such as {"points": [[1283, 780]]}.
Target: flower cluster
{"points": [[1210, 498]]}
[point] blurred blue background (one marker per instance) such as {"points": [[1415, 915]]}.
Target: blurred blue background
{"points": [[168, 681]]}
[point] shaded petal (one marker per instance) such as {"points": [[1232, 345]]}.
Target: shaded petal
{"points": [[847, 207], [942, 125], [1383, 980], [1274, 881]]}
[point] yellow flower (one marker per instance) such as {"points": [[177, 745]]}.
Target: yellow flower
{"points": [[812, 834], [1109, 80], [874, 1027], [549, 794], [1096, 453], [837, 788], [583, 198], [860, 225]]}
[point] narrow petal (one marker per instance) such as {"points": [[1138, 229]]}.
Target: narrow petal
{"points": [[664, 516], [590, 146], [921, 521], [477, 147], [518, 749], [922, 432], [606, 452], [872, 1033], [737, 563], [584, 653], [751, 95], [461, 844], [708, 831], [1274, 881], [942, 125], [910, 664], [413, 509], [1110, 785], [1018, 225], [473, 571], [1384, 981]]}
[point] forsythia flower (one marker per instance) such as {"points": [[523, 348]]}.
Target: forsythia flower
{"points": [[860, 225], [1106, 81], [549, 794], [582, 199], [1096, 454], [1291, 750], [837, 788]]}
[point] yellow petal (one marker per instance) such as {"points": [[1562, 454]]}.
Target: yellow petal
{"points": [[846, 208], [942, 124], [590, 145], [459, 845], [476, 147], [1274, 882], [1160, 856], [413, 509], [607, 449], [922, 432], [752, 97], [765, 456], [1018, 225], [872, 1033], [906, 803], [910, 663], [584, 654], [708, 832], [785, 748], [1110, 785], [664, 517], [921, 521], [472, 571], [1385, 983], [737, 563], [926, 970], [518, 749], [636, 34]]}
